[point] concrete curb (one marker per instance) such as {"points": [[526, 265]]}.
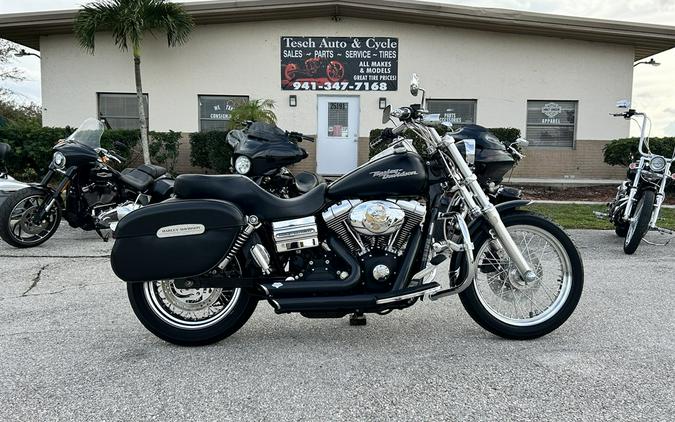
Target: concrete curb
{"points": [[544, 201]]}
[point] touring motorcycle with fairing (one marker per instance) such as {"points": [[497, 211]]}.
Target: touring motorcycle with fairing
{"points": [[96, 195], [196, 266], [262, 151]]}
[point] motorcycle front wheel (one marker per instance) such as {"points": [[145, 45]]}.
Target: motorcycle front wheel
{"points": [[17, 227], [639, 223], [502, 303], [190, 317]]}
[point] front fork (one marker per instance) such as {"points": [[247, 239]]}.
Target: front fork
{"points": [[470, 189], [52, 200]]}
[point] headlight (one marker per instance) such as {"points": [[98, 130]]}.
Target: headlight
{"points": [[59, 160], [242, 164], [657, 164]]}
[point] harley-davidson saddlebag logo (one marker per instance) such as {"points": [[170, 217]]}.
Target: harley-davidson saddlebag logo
{"points": [[181, 230], [392, 173]]}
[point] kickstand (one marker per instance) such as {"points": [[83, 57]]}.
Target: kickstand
{"points": [[357, 318]]}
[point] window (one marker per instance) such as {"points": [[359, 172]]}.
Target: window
{"points": [[214, 111], [338, 119], [551, 123], [458, 112], [121, 110]]}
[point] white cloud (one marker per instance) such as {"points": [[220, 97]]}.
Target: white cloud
{"points": [[653, 88]]}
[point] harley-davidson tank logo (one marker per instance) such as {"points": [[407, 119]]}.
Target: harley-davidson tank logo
{"points": [[181, 230], [393, 173]]}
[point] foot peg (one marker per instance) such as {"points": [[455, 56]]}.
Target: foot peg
{"points": [[601, 215]]}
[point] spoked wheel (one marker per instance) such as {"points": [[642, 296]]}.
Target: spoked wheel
{"points": [[191, 317], [639, 222], [502, 303], [335, 71], [17, 225]]}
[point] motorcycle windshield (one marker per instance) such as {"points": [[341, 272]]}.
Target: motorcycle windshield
{"points": [[89, 133]]}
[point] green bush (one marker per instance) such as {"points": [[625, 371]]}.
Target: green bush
{"points": [[506, 135], [622, 152], [32, 147], [211, 150], [164, 148]]}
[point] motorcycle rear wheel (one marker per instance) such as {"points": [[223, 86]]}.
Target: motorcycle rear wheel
{"points": [[190, 317], [16, 223], [501, 303], [639, 224]]}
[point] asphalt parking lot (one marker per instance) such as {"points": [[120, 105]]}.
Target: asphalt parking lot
{"points": [[71, 349]]}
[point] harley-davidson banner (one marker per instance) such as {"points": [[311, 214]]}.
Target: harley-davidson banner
{"points": [[339, 63]]}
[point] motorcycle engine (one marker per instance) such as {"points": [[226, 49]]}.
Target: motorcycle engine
{"points": [[376, 232]]}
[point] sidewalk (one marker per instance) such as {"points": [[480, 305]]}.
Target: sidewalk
{"points": [[558, 182]]}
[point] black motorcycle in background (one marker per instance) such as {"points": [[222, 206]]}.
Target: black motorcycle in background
{"points": [[262, 151], [96, 195]]}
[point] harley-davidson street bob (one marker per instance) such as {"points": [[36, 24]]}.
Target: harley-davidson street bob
{"points": [[97, 195], [636, 207], [198, 265], [262, 151]]}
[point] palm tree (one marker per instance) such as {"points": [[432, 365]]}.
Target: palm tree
{"points": [[129, 20], [254, 110]]}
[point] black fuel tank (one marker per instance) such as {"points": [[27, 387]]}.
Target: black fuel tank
{"points": [[396, 175]]}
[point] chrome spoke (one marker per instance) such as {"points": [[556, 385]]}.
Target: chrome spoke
{"points": [[506, 296]]}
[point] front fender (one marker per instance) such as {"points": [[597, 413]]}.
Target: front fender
{"points": [[458, 265], [504, 208]]}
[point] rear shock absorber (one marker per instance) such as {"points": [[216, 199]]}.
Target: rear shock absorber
{"points": [[253, 223]]}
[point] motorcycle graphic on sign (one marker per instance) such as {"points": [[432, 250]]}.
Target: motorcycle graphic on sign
{"points": [[315, 68]]}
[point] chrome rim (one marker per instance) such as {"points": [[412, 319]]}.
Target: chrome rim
{"points": [[21, 224], [506, 296], [190, 309]]}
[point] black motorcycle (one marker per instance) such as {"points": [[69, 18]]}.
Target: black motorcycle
{"points": [[198, 265], [96, 194], [262, 151]]}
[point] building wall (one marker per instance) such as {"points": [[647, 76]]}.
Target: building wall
{"points": [[502, 71]]}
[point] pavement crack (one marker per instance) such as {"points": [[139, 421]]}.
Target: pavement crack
{"points": [[36, 279]]}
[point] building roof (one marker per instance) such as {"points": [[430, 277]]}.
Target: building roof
{"points": [[647, 39]]}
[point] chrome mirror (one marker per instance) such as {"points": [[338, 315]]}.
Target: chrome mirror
{"points": [[523, 143], [414, 85], [386, 114], [623, 104]]}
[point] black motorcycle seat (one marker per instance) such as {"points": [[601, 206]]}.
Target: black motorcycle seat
{"points": [[4, 150], [306, 181], [137, 179], [249, 197], [152, 170]]}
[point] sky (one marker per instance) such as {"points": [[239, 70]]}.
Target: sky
{"points": [[653, 87]]}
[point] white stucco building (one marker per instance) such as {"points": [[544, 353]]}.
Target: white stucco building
{"points": [[331, 65]]}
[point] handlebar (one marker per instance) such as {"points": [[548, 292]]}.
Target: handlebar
{"points": [[297, 137]]}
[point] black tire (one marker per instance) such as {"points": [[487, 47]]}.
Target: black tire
{"points": [[621, 229], [6, 232], [642, 213], [478, 312], [228, 325]]}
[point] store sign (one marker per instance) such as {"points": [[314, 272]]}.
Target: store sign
{"points": [[551, 113], [218, 107], [339, 63]]}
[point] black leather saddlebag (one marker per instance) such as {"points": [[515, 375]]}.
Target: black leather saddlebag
{"points": [[174, 239]]}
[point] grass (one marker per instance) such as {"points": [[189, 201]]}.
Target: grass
{"points": [[576, 216]]}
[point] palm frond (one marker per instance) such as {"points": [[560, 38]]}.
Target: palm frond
{"points": [[170, 18], [129, 20], [94, 17]]}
